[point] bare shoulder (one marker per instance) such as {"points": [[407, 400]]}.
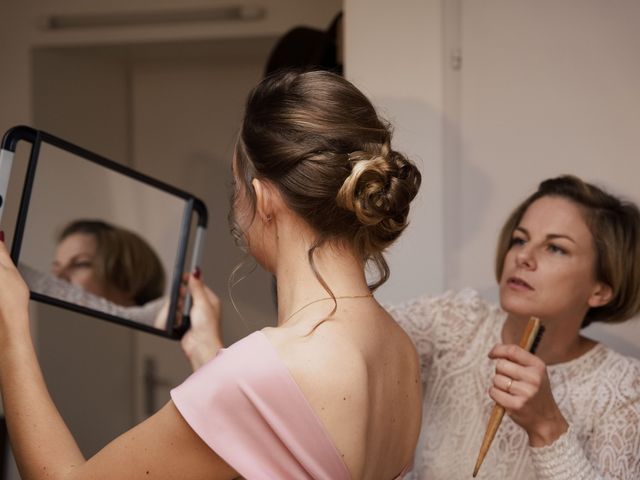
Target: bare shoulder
{"points": [[360, 373], [318, 360], [345, 348]]}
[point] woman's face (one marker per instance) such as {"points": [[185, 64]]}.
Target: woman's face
{"points": [[75, 262], [549, 270]]}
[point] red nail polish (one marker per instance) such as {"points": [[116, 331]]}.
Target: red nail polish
{"points": [[197, 272], [1, 235]]}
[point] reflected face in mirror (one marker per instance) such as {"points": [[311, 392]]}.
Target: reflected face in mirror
{"points": [[109, 261], [102, 240], [74, 262]]}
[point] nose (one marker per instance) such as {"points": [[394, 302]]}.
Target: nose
{"points": [[61, 273], [525, 258]]}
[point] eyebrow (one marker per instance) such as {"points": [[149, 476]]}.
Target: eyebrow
{"points": [[550, 236]]}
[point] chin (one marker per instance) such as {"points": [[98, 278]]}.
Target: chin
{"points": [[517, 305]]}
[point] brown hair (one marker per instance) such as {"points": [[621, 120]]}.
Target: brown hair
{"points": [[319, 140], [123, 260], [615, 227]]}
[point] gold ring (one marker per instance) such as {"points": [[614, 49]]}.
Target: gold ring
{"points": [[508, 389]]}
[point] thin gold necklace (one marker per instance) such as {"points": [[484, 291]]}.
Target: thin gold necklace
{"points": [[323, 299]]}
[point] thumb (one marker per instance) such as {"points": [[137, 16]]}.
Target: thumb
{"points": [[196, 287], [5, 259]]}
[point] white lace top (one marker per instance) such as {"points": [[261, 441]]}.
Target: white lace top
{"points": [[47, 284], [598, 394]]}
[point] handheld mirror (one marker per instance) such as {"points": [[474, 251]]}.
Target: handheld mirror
{"points": [[94, 236]]}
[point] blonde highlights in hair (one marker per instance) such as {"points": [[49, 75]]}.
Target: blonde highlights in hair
{"points": [[320, 142]]}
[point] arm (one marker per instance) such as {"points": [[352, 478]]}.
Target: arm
{"points": [[203, 340], [162, 447], [418, 319], [438, 323], [612, 449]]}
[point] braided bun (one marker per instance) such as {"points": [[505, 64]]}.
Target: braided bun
{"points": [[297, 130], [378, 191]]}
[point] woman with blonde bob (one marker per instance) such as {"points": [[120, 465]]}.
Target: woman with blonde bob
{"points": [[333, 391], [570, 255], [109, 261]]}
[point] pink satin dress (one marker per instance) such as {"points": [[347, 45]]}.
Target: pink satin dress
{"points": [[248, 408]]}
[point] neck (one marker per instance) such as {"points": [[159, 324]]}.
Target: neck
{"points": [[297, 284], [560, 342]]}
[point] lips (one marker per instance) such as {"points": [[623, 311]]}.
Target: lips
{"points": [[517, 282]]}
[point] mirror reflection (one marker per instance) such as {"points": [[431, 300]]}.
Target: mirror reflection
{"points": [[109, 261], [110, 244]]}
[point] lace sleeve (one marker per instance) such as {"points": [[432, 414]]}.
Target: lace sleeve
{"points": [[612, 449], [47, 284], [416, 317], [439, 323]]}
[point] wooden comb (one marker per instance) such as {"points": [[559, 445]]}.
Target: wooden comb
{"points": [[529, 341]]}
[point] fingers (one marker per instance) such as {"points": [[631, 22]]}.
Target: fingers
{"points": [[196, 287], [514, 387], [516, 362], [508, 401], [504, 383], [519, 375], [514, 353], [511, 370], [199, 290], [212, 297]]}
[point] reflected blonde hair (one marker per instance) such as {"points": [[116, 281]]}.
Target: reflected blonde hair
{"points": [[124, 261]]}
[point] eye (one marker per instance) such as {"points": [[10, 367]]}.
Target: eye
{"points": [[556, 249], [80, 264], [517, 241]]}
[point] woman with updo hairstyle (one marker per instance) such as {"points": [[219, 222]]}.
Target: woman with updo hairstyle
{"points": [[333, 391], [329, 155]]}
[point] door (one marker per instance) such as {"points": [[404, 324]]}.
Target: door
{"points": [[187, 105]]}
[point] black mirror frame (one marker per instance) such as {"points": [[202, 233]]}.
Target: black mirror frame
{"points": [[193, 204]]}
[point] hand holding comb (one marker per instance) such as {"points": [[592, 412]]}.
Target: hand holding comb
{"points": [[529, 341]]}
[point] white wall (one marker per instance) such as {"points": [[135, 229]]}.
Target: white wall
{"points": [[544, 88], [547, 88], [393, 52]]}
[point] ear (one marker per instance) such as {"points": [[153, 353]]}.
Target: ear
{"points": [[601, 295], [264, 200]]}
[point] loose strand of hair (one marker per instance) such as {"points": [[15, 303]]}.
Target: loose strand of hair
{"points": [[318, 243], [232, 282], [383, 271]]}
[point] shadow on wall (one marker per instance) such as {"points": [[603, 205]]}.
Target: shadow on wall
{"points": [[619, 336], [418, 128]]}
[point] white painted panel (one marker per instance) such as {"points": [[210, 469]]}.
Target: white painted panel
{"points": [[547, 88], [394, 54]]}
